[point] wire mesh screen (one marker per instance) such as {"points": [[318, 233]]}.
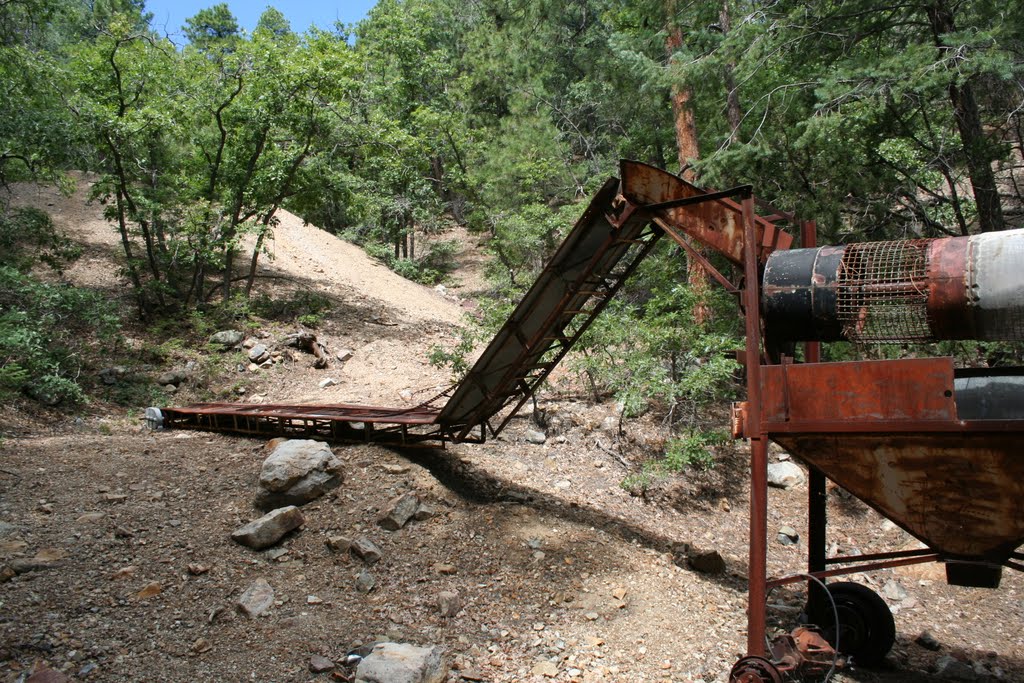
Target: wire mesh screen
{"points": [[882, 293]]}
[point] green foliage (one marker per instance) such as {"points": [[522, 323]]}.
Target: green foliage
{"points": [[429, 270], [456, 359], [647, 350], [440, 257], [693, 449], [27, 236], [879, 120], [44, 329], [303, 306], [213, 29]]}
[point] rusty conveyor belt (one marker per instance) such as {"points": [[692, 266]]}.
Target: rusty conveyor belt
{"points": [[338, 422], [585, 272], [612, 237], [572, 289]]}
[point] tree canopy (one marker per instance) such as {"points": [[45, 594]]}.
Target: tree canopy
{"points": [[881, 120]]}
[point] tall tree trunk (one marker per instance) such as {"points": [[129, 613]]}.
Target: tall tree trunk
{"points": [[412, 239], [688, 151], [236, 210], [977, 150], [437, 177], [126, 244], [260, 239], [682, 111], [732, 96]]}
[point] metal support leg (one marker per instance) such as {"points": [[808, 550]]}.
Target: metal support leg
{"points": [[758, 577], [756, 589], [817, 520], [816, 525]]}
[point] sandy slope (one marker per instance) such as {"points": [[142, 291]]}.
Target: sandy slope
{"points": [[300, 251], [389, 322]]}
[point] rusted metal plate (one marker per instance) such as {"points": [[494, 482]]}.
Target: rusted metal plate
{"points": [[961, 494], [917, 390], [716, 224], [340, 411], [948, 311], [336, 423]]}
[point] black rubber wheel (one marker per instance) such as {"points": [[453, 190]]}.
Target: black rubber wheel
{"points": [[867, 630]]}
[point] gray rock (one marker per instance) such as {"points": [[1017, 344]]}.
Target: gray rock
{"points": [[296, 472], [111, 375], [327, 382], [344, 355], [399, 511], [366, 550], [319, 664], [536, 437], [928, 641], [268, 529], [449, 603], [785, 475], [338, 544], [894, 591], [176, 377], [424, 512], [23, 565], [227, 339], [256, 599], [402, 663], [259, 353], [788, 536], [365, 581], [953, 669], [706, 561]]}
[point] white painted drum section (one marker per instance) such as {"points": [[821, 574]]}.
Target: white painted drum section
{"points": [[996, 282]]}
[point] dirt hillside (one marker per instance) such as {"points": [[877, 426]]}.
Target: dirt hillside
{"points": [[127, 572]]}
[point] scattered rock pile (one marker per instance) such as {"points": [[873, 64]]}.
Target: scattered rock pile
{"points": [[299, 471]]}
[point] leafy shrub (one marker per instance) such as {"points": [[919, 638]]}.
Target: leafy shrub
{"points": [[429, 270], [441, 256], [304, 306], [651, 353], [692, 450], [43, 329], [28, 236], [457, 359]]}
